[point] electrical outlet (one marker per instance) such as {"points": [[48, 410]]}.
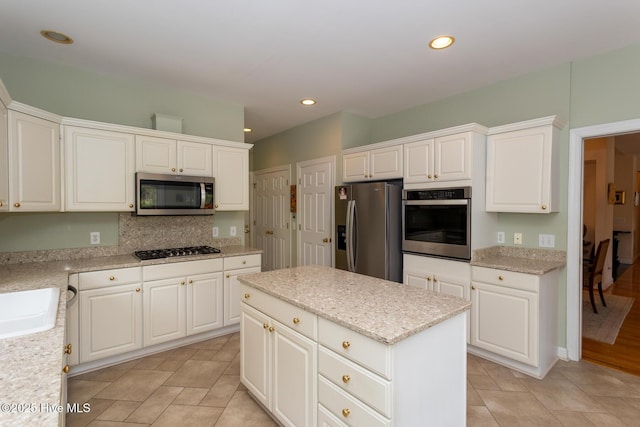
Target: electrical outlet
{"points": [[517, 238], [94, 237], [547, 240], [215, 232], [500, 236], [232, 230]]}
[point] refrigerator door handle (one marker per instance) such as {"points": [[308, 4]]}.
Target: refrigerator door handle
{"points": [[353, 238], [349, 236]]}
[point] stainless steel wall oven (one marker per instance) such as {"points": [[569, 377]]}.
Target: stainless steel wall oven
{"points": [[437, 222]]}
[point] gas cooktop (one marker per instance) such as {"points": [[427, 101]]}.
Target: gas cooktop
{"points": [[175, 252]]}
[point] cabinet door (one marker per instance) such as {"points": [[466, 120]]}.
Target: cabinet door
{"points": [[232, 294], [99, 169], [255, 354], [449, 286], [519, 171], [34, 156], [204, 302], [355, 166], [4, 158], [386, 163], [232, 178], [110, 321], [155, 155], [418, 280], [452, 157], [418, 161], [294, 374], [195, 158], [504, 321], [164, 315]]}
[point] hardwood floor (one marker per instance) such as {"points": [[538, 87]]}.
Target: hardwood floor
{"points": [[624, 355]]}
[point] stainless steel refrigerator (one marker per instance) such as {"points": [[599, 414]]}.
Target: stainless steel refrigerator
{"points": [[369, 229]]}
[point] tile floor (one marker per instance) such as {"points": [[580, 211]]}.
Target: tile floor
{"points": [[199, 385]]}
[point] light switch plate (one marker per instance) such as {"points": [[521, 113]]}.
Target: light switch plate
{"points": [[517, 238], [547, 240], [215, 232], [500, 236], [94, 237], [232, 230]]}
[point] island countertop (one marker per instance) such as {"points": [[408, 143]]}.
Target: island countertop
{"points": [[382, 310]]}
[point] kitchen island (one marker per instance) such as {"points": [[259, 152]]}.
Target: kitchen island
{"points": [[321, 346]]}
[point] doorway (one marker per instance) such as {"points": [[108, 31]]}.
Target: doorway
{"points": [[574, 224]]}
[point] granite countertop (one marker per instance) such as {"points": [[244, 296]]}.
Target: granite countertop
{"points": [[31, 370], [521, 260], [385, 311]]}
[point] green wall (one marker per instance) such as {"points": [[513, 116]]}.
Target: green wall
{"points": [[87, 95]]}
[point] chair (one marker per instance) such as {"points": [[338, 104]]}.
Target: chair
{"points": [[593, 275]]}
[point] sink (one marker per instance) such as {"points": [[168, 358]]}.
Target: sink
{"points": [[27, 312]]}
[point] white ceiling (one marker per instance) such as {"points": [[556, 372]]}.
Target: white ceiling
{"points": [[369, 57]]}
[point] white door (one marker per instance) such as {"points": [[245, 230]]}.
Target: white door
{"points": [[255, 354], [271, 218], [163, 307], [315, 197], [204, 302]]}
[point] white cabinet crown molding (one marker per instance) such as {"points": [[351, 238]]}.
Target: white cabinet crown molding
{"points": [[470, 127], [33, 111], [5, 98], [152, 132], [555, 121]]}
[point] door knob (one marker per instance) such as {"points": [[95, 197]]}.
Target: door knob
{"points": [[325, 240]]}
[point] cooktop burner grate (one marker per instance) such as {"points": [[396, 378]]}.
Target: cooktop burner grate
{"points": [[175, 252]]}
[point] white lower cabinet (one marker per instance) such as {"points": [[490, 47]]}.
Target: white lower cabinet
{"points": [[278, 364], [181, 299], [514, 319], [234, 267], [110, 313]]}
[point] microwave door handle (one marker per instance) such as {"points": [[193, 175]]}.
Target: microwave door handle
{"points": [[203, 194]]}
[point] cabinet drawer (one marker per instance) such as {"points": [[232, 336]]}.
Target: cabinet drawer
{"points": [[363, 384], [369, 353], [347, 408], [181, 269], [244, 261], [294, 317], [104, 278], [512, 279]]}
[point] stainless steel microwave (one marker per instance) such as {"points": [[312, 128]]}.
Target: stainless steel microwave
{"points": [[160, 194]]}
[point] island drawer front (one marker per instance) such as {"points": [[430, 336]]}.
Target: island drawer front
{"points": [[294, 317], [512, 279], [244, 261], [181, 269], [327, 419], [347, 408], [113, 277], [352, 378], [368, 352]]}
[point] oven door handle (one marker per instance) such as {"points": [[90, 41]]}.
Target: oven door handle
{"points": [[436, 202]]}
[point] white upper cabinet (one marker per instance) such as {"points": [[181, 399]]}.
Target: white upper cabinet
{"points": [[4, 158], [445, 158], [100, 170], [34, 163], [379, 164], [522, 167], [231, 172], [170, 156]]}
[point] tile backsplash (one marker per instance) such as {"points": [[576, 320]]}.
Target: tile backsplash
{"points": [[136, 233]]}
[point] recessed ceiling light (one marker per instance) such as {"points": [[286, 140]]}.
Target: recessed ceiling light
{"points": [[441, 42], [247, 130], [57, 37], [308, 101]]}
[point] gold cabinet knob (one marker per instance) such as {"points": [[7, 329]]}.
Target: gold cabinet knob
{"points": [[271, 329], [131, 205], [346, 412], [265, 326], [181, 170], [429, 176], [428, 279], [216, 205], [436, 176], [0, 204], [182, 282], [500, 277], [346, 344], [473, 288], [67, 349], [66, 369], [544, 207], [173, 169], [246, 296], [112, 278], [16, 205], [137, 289], [244, 261], [190, 281], [296, 320], [228, 275], [346, 378]]}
